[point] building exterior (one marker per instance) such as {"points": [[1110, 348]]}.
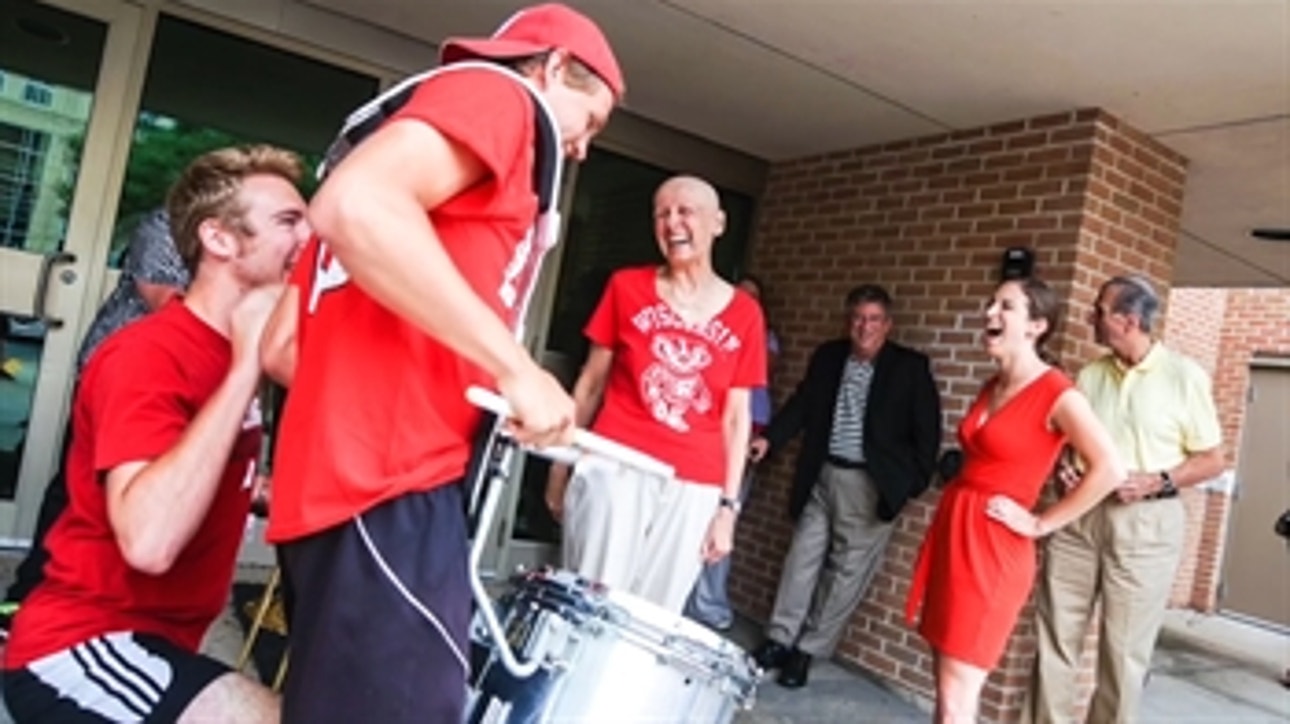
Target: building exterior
{"points": [[38, 134], [1242, 337], [928, 216]]}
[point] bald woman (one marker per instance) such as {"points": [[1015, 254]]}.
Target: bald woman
{"points": [[675, 353]]}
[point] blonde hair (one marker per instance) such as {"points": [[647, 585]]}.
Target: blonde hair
{"points": [[208, 189], [578, 75]]}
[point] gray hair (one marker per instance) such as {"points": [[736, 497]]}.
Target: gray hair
{"points": [[1134, 296]]}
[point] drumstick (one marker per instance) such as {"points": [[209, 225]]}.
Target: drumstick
{"points": [[584, 439]]}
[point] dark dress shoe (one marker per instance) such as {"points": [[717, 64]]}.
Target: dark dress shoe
{"points": [[770, 655], [792, 674]]}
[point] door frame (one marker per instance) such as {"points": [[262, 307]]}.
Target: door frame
{"points": [[503, 553], [1257, 363], [118, 91], [98, 182]]}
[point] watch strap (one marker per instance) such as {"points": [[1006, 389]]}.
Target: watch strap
{"points": [[1168, 489]]}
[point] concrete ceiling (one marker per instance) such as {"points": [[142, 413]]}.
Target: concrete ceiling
{"points": [[780, 79]]}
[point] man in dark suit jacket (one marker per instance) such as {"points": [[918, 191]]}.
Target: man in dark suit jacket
{"points": [[870, 415]]}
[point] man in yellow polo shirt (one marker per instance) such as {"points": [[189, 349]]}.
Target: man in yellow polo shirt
{"points": [[1158, 407]]}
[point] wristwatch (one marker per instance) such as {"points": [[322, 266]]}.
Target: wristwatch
{"points": [[731, 503], [1167, 489]]}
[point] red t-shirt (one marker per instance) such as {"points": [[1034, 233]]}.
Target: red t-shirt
{"points": [[136, 398], [668, 382], [377, 408]]}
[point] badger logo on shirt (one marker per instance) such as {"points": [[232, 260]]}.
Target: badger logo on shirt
{"points": [[673, 385]]}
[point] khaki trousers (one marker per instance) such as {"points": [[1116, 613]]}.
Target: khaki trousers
{"points": [[1126, 556], [836, 549], [637, 533]]}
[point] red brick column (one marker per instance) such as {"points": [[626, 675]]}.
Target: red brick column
{"points": [[929, 218]]}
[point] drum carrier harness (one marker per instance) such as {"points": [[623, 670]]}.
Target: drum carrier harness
{"points": [[546, 177]]}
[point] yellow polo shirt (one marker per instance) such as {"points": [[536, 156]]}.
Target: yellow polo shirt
{"points": [[1158, 412]]}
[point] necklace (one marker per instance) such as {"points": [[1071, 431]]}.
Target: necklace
{"points": [[694, 305], [683, 301], [691, 299]]}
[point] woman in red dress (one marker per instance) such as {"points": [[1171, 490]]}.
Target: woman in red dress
{"points": [[977, 563]]}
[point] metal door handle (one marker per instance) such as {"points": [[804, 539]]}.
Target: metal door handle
{"points": [[47, 264]]}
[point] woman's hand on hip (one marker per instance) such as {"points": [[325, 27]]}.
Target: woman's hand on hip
{"points": [[1010, 513]]}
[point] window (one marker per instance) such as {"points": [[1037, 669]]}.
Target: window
{"points": [[190, 106], [38, 94], [611, 226], [22, 159]]}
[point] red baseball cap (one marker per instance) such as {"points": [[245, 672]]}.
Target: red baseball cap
{"points": [[538, 29]]}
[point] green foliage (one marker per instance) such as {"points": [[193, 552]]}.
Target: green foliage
{"points": [[159, 152], [161, 149]]}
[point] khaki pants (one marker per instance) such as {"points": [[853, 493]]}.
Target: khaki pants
{"points": [[836, 550], [637, 533], [1126, 555]]}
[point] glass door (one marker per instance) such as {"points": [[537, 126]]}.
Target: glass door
{"points": [[65, 91], [189, 105]]}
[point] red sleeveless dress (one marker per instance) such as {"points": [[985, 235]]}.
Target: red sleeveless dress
{"points": [[973, 573]]}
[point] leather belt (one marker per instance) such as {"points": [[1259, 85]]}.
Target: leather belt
{"points": [[845, 464]]}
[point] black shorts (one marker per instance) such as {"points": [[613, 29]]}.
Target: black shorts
{"points": [[120, 676], [379, 615]]}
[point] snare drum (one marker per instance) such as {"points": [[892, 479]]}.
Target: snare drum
{"points": [[606, 656]]}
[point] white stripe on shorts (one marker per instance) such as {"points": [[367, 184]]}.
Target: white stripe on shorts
{"points": [[110, 675]]}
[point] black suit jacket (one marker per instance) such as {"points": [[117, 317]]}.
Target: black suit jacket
{"points": [[902, 423]]}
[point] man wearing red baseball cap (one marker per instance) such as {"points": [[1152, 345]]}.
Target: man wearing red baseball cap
{"points": [[426, 251]]}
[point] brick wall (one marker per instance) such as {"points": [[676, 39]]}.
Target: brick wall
{"points": [[1257, 321], [929, 218], [1193, 325], [1222, 329]]}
